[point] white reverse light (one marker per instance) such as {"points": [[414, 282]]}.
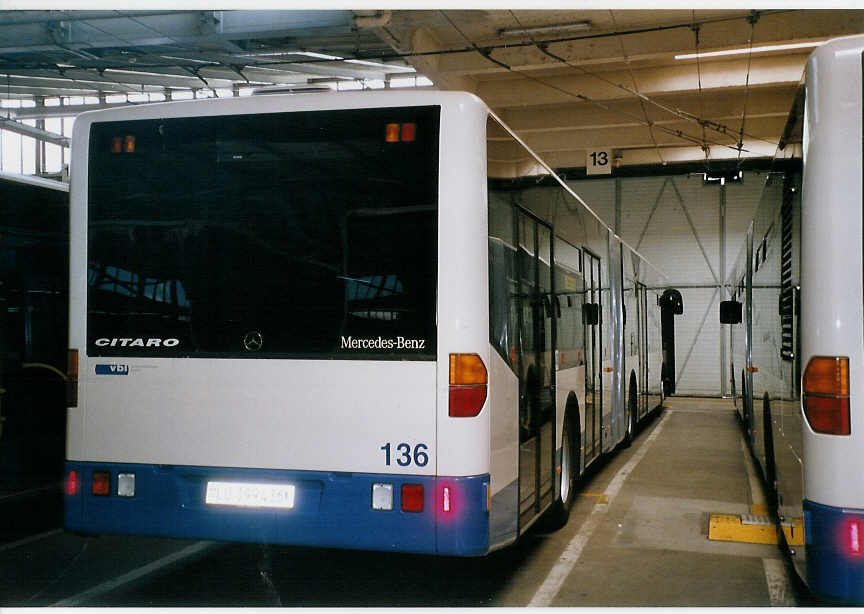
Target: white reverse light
{"points": [[125, 484], [382, 497]]}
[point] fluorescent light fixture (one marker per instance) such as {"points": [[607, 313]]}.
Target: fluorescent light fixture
{"points": [[312, 54], [389, 67], [578, 26], [760, 49]]}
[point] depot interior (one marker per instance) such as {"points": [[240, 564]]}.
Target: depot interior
{"points": [[664, 121]]}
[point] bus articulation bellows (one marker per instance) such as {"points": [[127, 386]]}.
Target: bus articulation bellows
{"points": [[340, 320]]}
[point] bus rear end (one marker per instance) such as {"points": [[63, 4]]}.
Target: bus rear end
{"points": [[254, 328]]}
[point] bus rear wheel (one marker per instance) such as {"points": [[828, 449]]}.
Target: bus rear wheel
{"points": [[558, 515]]}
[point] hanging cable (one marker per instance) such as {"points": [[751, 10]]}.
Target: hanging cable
{"points": [[704, 123], [636, 89], [754, 17], [696, 30]]}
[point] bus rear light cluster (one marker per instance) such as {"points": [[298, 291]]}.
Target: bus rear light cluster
{"points": [[100, 484], [405, 133], [411, 495], [468, 381], [123, 144], [826, 395]]}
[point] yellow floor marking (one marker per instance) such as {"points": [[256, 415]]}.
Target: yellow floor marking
{"points": [[601, 497], [730, 528], [759, 509]]}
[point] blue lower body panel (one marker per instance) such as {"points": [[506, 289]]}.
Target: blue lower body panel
{"points": [[331, 509], [835, 551]]}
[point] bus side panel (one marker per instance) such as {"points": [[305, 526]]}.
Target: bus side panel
{"points": [[503, 404]]}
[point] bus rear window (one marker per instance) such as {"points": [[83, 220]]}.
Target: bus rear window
{"points": [[305, 234]]}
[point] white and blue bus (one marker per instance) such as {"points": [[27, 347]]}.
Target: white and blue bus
{"points": [[334, 320], [795, 359]]}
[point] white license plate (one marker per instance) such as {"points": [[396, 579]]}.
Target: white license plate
{"points": [[244, 494]]}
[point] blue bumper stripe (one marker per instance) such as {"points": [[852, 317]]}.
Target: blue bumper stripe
{"points": [[834, 568], [331, 509]]}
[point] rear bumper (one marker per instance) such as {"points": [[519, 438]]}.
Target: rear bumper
{"points": [[330, 509], [835, 552]]}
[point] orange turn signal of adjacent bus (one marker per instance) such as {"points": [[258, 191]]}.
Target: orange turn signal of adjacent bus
{"points": [[826, 394], [468, 380]]}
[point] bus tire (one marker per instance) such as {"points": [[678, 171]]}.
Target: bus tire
{"points": [[559, 513], [632, 417], [770, 466]]}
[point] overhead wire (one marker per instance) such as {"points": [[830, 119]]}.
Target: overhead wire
{"points": [[636, 88], [704, 123], [484, 51], [696, 29], [754, 17]]}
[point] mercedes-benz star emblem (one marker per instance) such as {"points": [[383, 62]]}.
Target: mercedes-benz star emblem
{"points": [[253, 341]]}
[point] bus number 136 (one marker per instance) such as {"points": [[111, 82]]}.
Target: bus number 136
{"points": [[404, 455]]}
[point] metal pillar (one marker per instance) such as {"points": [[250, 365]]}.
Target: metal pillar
{"points": [[724, 289]]}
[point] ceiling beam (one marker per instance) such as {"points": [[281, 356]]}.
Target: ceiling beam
{"points": [[609, 48], [36, 133], [556, 88]]}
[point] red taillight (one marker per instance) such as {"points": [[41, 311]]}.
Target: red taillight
{"points": [[412, 497], [826, 395], [117, 144], [409, 132], [468, 380], [101, 485], [72, 379], [72, 483], [854, 537]]}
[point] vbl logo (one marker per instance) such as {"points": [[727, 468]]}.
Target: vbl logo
{"points": [[112, 369]]}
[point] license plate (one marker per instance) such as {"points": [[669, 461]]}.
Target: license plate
{"points": [[244, 494]]}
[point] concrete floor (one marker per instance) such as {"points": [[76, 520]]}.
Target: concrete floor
{"points": [[649, 544]]}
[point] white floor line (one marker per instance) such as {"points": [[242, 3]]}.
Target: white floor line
{"points": [[133, 575], [779, 589], [568, 559], [29, 540]]}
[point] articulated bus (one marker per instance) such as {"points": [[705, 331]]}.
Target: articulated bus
{"points": [[335, 320], [794, 360]]}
